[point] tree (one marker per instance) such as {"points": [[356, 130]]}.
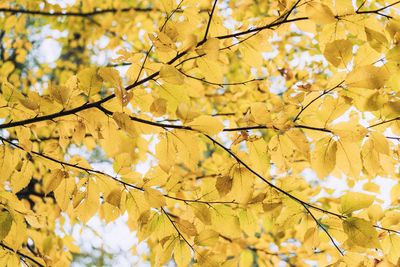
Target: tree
{"points": [[242, 112]]}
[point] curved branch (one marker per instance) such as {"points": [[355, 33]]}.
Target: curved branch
{"points": [[324, 229], [383, 122], [376, 11], [88, 170], [220, 84], [22, 255], [315, 99], [75, 14], [96, 104], [177, 230]]}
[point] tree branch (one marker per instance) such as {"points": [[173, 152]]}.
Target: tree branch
{"points": [[376, 11], [96, 104], [323, 228], [209, 21], [21, 254], [315, 99], [177, 230], [75, 14], [88, 170]]}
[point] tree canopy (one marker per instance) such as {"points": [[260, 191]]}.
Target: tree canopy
{"points": [[234, 133]]}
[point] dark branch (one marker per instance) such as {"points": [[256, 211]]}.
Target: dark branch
{"points": [[315, 99], [22, 255], [74, 14], [324, 229], [88, 170], [209, 21], [376, 11]]}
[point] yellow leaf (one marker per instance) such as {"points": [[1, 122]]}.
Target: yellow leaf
{"points": [[90, 203], [89, 81], [242, 185], [367, 77], [114, 197], [207, 124], [171, 75], [320, 13], [202, 212], [376, 39], [206, 237], [63, 193], [361, 233], [125, 123], [260, 113], [182, 254], [390, 246], [246, 258], [381, 144], [210, 48], [5, 222], [210, 69], [112, 76], [166, 152], [223, 185], [349, 131], [61, 94], [348, 158], [187, 227], [9, 93], [154, 198], [371, 187], [20, 179], [323, 157], [353, 201], [6, 68], [370, 158], [158, 107], [52, 181], [258, 155], [168, 5], [248, 221], [164, 251], [339, 52]]}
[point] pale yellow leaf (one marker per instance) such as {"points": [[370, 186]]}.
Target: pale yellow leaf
{"points": [[368, 77], [319, 13], [154, 198], [207, 124], [323, 157], [171, 75], [182, 254], [361, 233], [353, 201]]}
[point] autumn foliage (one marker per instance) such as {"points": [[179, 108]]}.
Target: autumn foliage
{"points": [[235, 133]]}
